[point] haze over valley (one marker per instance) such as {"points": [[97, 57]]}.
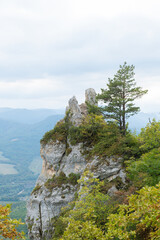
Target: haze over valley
{"points": [[20, 162]]}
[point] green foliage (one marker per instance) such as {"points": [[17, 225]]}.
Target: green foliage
{"points": [[82, 230], [18, 211], [59, 227], [68, 151], [7, 225], [120, 95], [146, 171], [91, 219], [150, 136], [36, 189], [140, 219], [88, 131], [131, 147], [59, 133], [93, 109], [73, 178], [57, 181], [99, 137], [90, 212], [109, 142]]}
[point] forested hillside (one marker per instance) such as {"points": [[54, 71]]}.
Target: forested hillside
{"points": [[20, 156]]}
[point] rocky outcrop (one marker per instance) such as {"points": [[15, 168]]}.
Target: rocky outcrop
{"points": [[78, 112], [90, 96], [48, 198], [45, 204]]}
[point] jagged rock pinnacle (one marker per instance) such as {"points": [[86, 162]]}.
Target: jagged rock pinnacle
{"points": [[90, 96], [79, 111]]}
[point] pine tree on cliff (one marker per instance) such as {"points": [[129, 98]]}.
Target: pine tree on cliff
{"points": [[120, 95]]}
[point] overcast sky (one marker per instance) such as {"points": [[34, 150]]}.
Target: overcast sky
{"points": [[51, 50]]}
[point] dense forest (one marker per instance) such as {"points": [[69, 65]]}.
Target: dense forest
{"points": [[133, 211]]}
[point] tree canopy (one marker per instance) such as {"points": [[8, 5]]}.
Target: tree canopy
{"points": [[87, 219], [120, 95], [8, 225], [140, 219]]}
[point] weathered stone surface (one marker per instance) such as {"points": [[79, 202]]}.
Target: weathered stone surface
{"points": [[52, 154], [112, 191], [45, 204], [106, 168], [84, 110], [75, 162], [75, 111], [90, 96]]}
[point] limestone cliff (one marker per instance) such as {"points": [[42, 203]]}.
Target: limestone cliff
{"points": [[61, 160]]}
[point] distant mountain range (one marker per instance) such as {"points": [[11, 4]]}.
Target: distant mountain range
{"points": [[141, 119], [20, 134], [28, 116]]}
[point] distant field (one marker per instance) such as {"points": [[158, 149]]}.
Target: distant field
{"points": [[3, 159], [36, 165], [20, 162], [7, 169]]}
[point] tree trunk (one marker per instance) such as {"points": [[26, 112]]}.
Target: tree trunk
{"points": [[124, 113]]}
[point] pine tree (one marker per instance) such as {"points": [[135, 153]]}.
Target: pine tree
{"points": [[120, 96]]}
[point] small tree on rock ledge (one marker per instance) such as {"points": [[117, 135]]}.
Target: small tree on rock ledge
{"points": [[120, 96]]}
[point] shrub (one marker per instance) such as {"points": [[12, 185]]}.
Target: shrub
{"points": [[73, 178], [87, 219], [88, 131], [146, 171], [99, 137], [59, 227], [150, 136], [8, 226], [60, 131], [37, 187], [58, 181], [139, 219]]}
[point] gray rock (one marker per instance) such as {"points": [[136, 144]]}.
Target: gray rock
{"points": [[52, 154], [112, 191], [75, 111], [90, 96], [106, 168], [44, 204], [75, 162]]}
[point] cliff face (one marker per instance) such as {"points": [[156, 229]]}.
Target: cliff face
{"points": [[60, 161]]}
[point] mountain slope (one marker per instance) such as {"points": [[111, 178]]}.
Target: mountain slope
{"points": [[19, 147]]}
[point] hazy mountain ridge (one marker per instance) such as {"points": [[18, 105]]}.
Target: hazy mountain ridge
{"points": [[19, 143], [28, 116], [141, 119]]}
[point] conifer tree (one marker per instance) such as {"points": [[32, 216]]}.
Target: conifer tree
{"points": [[120, 95]]}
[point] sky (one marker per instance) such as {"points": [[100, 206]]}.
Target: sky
{"points": [[51, 50]]}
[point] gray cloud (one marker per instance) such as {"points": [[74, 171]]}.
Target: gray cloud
{"points": [[65, 46]]}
